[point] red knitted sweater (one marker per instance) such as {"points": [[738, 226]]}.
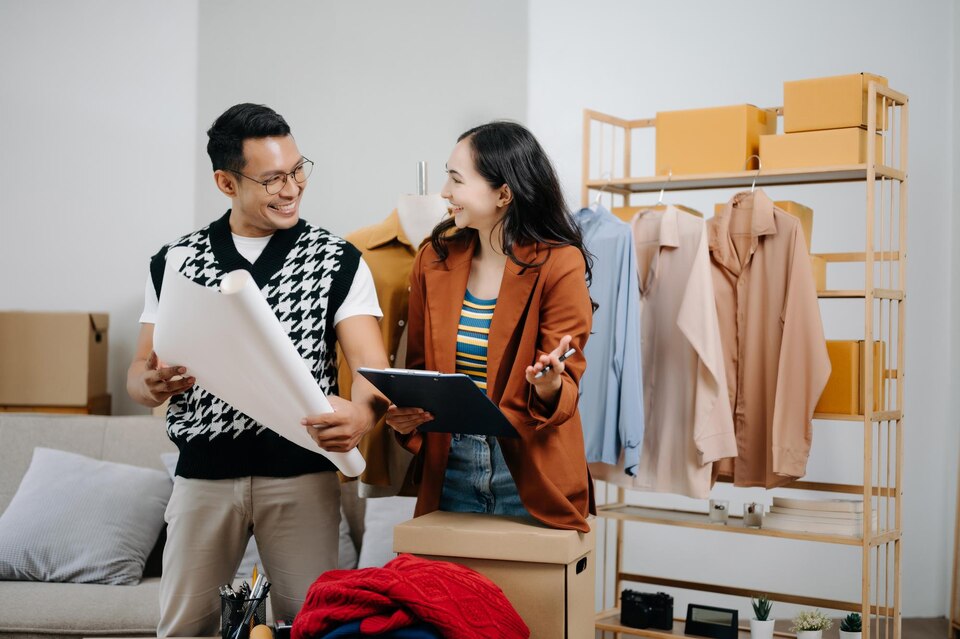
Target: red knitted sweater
{"points": [[457, 601]]}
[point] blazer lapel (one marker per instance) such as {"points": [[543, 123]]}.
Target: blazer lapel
{"points": [[512, 301], [446, 284]]}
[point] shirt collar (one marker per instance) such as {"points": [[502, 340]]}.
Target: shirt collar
{"points": [[669, 231], [762, 223], [387, 231]]}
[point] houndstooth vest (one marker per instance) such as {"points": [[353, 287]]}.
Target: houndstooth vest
{"points": [[304, 273]]}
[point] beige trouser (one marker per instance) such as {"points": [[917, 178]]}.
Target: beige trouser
{"points": [[209, 521]]}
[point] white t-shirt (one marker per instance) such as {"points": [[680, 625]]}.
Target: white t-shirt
{"points": [[360, 300]]}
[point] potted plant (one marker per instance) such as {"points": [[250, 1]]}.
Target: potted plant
{"points": [[811, 624], [761, 626], [850, 626]]}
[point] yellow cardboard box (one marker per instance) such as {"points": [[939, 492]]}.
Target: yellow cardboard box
{"points": [[547, 574], [52, 359], [817, 148], [819, 267], [846, 388], [714, 140], [836, 102]]}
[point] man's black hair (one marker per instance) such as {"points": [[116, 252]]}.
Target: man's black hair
{"points": [[238, 123]]}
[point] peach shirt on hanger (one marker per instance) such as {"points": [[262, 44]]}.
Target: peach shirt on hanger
{"points": [[773, 343]]}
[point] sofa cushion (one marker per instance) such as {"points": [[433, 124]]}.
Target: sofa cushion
{"points": [[83, 520], [79, 609]]}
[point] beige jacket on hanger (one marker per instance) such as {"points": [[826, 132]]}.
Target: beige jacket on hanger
{"points": [[775, 352], [687, 420]]}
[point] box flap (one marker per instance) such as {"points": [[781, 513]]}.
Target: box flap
{"points": [[99, 323], [490, 537]]}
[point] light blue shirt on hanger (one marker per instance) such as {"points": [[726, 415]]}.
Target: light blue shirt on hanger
{"points": [[611, 390]]}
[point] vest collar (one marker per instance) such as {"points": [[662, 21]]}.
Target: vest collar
{"points": [[269, 262]]}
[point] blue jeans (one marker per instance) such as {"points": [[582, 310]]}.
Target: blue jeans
{"points": [[477, 479]]}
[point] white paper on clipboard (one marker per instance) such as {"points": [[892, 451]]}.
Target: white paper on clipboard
{"points": [[233, 344]]}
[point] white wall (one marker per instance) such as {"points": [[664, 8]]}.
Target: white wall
{"points": [[369, 88], [117, 98], [632, 59], [98, 105]]}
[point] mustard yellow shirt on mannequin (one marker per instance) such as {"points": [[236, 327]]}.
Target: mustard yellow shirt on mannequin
{"points": [[390, 256]]}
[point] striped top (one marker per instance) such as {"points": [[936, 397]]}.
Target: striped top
{"points": [[473, 332]]}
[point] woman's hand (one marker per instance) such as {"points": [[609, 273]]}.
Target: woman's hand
{"points": [[406, 420], [547, 387]]}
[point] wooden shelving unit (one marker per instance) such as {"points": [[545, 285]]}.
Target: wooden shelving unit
{"points": [[883, 256]]}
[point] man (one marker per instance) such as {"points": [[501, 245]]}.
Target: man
{"points": [[234, 476]]}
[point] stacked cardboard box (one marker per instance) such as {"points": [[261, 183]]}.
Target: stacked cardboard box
{"points": [[54, 362], [824, 124]]}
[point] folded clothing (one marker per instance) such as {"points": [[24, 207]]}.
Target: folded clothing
{"points": [[457, 601]]}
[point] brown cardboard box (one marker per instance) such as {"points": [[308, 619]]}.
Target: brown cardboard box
{"points": [[52, 359], [99, 405], [547, 574], [829, 103], [817, 148], [846, 387], [714, 140], [797, 210]]}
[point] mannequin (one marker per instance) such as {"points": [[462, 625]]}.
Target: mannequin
{"points": [[419, 214]]}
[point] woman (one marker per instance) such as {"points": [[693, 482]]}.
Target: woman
{"points": [[499, 294]]}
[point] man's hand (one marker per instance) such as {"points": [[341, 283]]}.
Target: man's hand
{"points": [[341, 430], [157, 381]]}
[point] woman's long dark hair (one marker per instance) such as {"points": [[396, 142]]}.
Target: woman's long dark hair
{"points": [[507, 153]]}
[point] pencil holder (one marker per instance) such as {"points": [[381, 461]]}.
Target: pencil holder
{"points": [[232, 612]]}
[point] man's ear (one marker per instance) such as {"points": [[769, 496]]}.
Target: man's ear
{"points": [[505, 197], [226, 182]]}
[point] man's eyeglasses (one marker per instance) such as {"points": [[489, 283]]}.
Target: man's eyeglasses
{"points": [[276, 183]]}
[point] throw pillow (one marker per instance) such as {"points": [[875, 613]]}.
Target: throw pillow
{"points": [[82, 520]]}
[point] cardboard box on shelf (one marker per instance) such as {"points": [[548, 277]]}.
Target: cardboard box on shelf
{"points": [[819, 267], [797, 210], [547, 574], [846, 388], [52, 359], [836, 102], [713, 140], [836, 147]]}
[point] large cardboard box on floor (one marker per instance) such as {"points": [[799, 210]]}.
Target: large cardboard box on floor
{"points": [[547, 574], [845, 392], [818, 148], [829, 103], [52, 359], [714, 140]]}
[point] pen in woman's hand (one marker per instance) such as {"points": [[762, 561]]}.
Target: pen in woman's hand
{"points": [[548, 366]]}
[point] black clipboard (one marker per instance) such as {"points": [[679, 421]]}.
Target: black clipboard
{"points": [[455, 401]]}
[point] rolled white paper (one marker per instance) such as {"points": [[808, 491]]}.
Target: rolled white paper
{"points": [[233, 344]]}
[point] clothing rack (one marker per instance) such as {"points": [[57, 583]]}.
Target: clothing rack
{"points": [[607, 150]]}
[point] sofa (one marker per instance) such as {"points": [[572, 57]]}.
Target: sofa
{"points": [[42, 610], [53, 610]]}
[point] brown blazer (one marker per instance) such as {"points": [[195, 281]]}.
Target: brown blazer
{"points": [[536, 307]]}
